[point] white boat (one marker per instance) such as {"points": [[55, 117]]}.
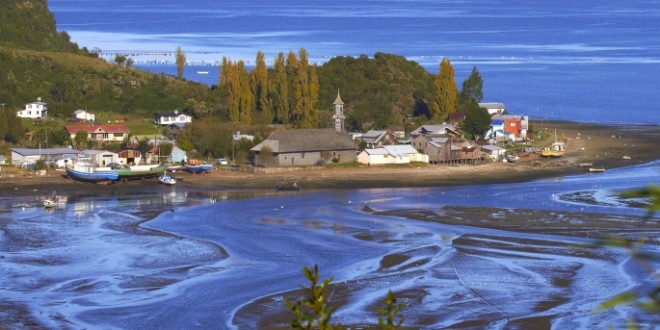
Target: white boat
{"points": [[51, 201], [166, 179], [596, 169], [202, 72]]}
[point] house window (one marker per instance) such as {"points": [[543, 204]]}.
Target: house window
{"points": [[302, 155], [118, 135]]}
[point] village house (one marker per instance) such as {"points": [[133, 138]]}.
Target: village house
{"points": [[82, 115], [493, 108], [514, 127], [152, 140], [129, 156], [100, 133], [34, 110], [28, 157], [376, 139], [173, 117], [447, 149], [443, 129], [101, 158], [392, 155], [304, 147], [178, 155], [494, 152]]}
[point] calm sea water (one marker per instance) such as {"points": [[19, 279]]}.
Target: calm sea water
{"points": [[588, 61]]}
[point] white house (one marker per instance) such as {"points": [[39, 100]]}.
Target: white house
{"points": [[34, 110], [378, 156], [494, 152], [169, 118], [493, 108], [101, 158], [392, 154], [82, 115]]}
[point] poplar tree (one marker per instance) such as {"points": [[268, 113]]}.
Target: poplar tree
{"points": [[246, 99], [445, 88], [229, 80], [180, 62], [280, 91], [259, 87]]}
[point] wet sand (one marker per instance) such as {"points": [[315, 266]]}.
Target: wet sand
{"points": [[604, 146]]}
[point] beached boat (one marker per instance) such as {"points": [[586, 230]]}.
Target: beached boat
{"points": [[140, 172], [596, 169], [557, 149], [87, 173], [173, 168], [198, 169], [166, 179]]}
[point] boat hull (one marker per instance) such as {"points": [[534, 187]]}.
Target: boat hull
{"points": [[198, 169], [92, 176], [141, 172]]}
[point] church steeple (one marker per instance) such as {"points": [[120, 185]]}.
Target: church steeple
{"points": [[338, 116]]}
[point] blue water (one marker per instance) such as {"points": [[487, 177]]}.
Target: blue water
{"points": [[588, 61]]}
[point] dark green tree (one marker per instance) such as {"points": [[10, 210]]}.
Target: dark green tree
{"points": [[472, 87], [477, 120]]}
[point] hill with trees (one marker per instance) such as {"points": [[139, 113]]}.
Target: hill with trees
{"points": [[379, 91]]}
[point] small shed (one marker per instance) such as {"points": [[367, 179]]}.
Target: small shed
{"points": [[82, 115], [493, 152], [377, 156]]}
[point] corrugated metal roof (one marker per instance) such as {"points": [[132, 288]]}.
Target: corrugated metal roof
{"points": [[44, 151], [305, 140], [400, 150]]}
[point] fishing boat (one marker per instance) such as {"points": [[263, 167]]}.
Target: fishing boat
{"points": [[166, 179], [85, 171], [198, 169], [557, 149], [140, 172]]}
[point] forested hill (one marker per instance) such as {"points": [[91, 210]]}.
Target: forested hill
{"points": [[28, 24], [379, 91], [37, 61]]}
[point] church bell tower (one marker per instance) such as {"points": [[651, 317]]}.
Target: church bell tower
{"points": [[338, 116]]}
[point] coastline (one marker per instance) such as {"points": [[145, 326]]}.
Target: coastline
{"points": [[606, 146]]}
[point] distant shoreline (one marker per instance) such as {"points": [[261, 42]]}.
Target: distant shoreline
{"points": [[606, 146]]}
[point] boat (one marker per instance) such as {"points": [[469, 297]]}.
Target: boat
{"points": [[596, 169], [202, 72], [557, 149], [198, 169], [51, 201], [85, 171], [140, 172], [288, 187], [166, 179]]}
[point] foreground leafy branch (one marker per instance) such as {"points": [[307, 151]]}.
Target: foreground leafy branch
{"points": [[390, 312], [313, 311]]}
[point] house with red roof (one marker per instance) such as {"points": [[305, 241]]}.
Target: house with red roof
{"points": [[100, 133]]}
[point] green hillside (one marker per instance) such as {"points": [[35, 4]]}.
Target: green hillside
{"points": [[38, 61]]}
